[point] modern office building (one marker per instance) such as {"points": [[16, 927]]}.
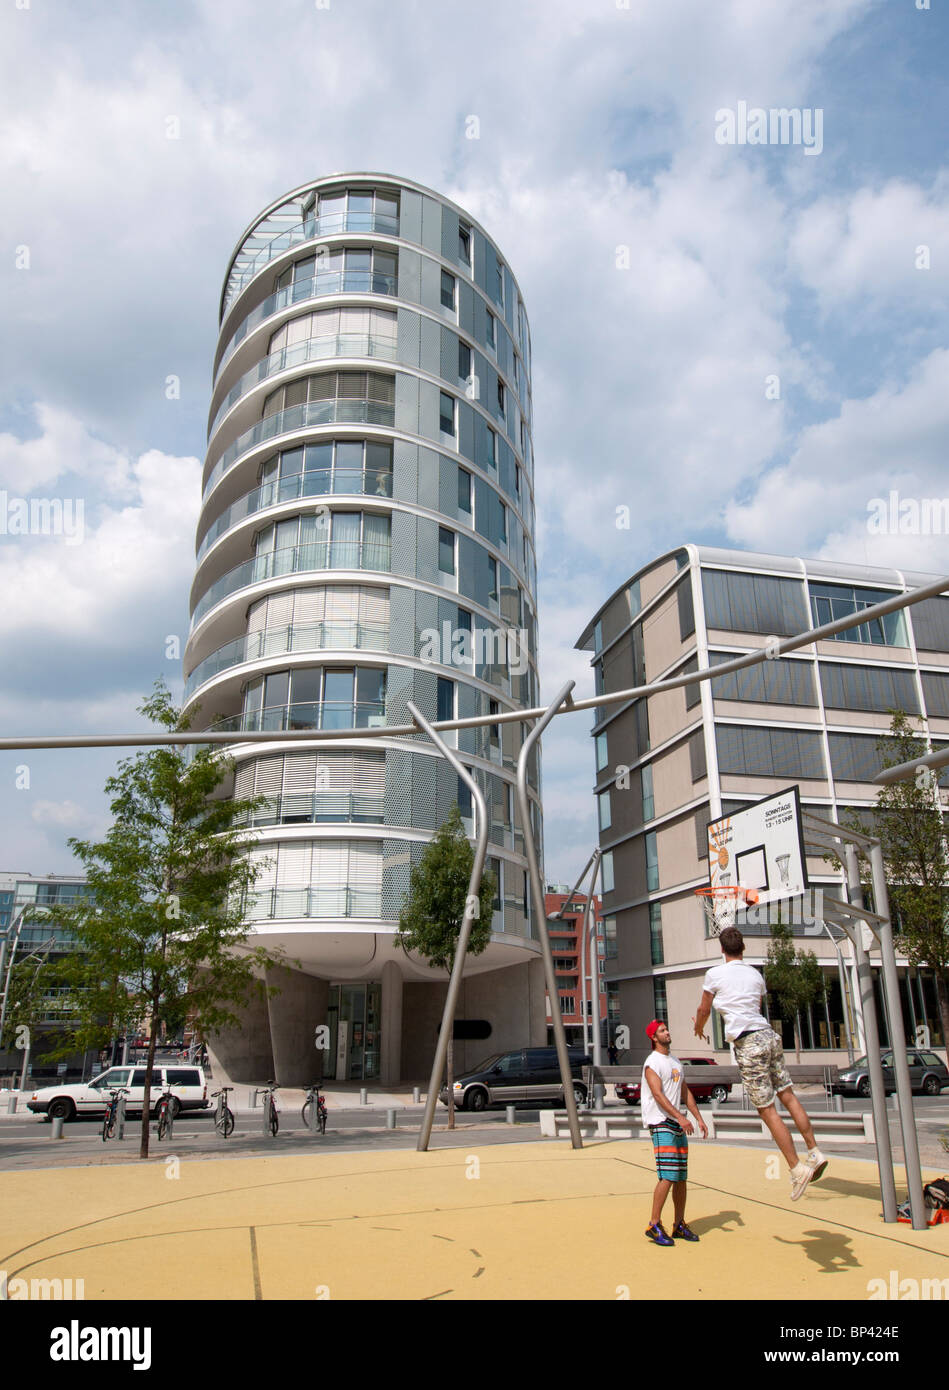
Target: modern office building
{"points": [[366, 538], [577, 984], [668, 764]]}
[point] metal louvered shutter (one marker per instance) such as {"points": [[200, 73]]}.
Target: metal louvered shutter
{"points": [[309, 605]]}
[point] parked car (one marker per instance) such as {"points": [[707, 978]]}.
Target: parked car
{"points": [[188, 1085], [718, 1091], [926, 1074], [527, 1074]]}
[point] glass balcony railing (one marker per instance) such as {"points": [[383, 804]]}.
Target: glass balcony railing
{"points": [[327, 900], [312, 350], [303, 637], [311, 714], [249, 264], [318, 808], [300, 417], [322, 283], [320, 482], [292, 559]]}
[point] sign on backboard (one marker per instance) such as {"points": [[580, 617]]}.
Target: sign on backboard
{"points": [[760, 846]]}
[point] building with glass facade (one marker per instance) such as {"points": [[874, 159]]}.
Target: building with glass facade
{"points": [[668, 764], [366, 538]]}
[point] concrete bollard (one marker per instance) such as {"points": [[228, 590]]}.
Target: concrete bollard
{"points": [[363, 1096], [839, 1104], [390, 1119], [120, 1118], [416, 1095], [57, 1127], [11, 1103], [511, 1114], [252, 1099]]}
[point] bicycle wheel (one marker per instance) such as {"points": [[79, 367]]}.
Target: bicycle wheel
{"points": [[306, 1111], [228, 1125], [106, 1129], [274, 1122], [163, 1122]]}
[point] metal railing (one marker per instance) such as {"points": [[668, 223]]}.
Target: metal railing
{"points": [[312, 714], [298, 293], [300, 417], [304, 637], [316, 808], [292, 559], [330, 224], [320, 482], [312, 350], [326, 900]]}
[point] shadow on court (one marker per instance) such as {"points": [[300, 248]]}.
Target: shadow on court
{"points": [[831, 1250]]}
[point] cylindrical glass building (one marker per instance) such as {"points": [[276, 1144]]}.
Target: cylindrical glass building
{"points": [[366, 538]]}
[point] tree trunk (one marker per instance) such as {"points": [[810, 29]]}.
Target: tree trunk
{"points": [[146, 1102], [450, 1060], [942, 1000]]}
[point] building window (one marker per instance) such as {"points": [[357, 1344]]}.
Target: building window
{"points": [[655, 934], [770, 682], [491, 331], [686, 610], [754, 603], [659, 1000], [446, 413], [606, 871], [448, 290], [464, 361], [764, 752], [609, 936], [464, 490], [652, 862], [501, 398], [499, 282], [349, 465], [446, 699], [832, 601], [492, 448], [641, 717], [464, 799], [446, 550], [464, 245], [494, 730], [517, 481], [930, 621], [649, 804], [602, 756], [936, 693], [492, 578], [603, 809], [876, 688], [635, 601], [502, 537], [568, 1004], [855, 757]]}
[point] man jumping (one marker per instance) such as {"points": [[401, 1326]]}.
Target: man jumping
{"points": [[737, 991]]}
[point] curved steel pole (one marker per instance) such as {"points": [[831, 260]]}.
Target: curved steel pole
{"points": [[472, 909], [593, 978], [537, 893]]}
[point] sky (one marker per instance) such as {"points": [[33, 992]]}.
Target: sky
{"points": [[742, 342]]}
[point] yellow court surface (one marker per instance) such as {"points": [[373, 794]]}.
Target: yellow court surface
{"points": [[511, 1221]]}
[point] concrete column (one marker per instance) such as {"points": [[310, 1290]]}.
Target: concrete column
{"points": [[295, 1014], [243, 1054], [390, 1050]]}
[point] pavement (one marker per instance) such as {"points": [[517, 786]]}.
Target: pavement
{"points": [[467, 1220]]}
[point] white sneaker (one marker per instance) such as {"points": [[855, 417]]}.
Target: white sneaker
{"points": [[801, 1175], [816, 1160]]}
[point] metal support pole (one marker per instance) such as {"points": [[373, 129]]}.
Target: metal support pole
{"points": [[845, 1002], [904, 1089], [881, 1124], [120, 1117], [593, 977], [472, 908], [537, 892]]}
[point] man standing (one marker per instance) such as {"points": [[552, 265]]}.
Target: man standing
{"points": [[737, 991], [661, 1097]]}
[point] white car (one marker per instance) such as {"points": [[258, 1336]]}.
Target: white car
{"points": [[188, 1085]]}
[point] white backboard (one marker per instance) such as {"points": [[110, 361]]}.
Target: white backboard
{"points": [[760, 846]]}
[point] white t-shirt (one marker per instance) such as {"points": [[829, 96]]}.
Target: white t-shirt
{"points": [[669, 1071], [737, 991]]}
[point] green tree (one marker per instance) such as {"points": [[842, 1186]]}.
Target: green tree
{"points": [[161, 938], [793, 977], [909, 823], [431, 917]]}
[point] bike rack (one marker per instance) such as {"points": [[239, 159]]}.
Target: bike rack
{"points": [[120, 1117]]}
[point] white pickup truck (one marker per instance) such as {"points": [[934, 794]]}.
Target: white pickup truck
{"points": [[188, 1085]]}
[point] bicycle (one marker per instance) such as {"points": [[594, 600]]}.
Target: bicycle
{"points": [[167, 1109], [112, 1113], [316, 1091], [223, 1115], [269, 1091]]}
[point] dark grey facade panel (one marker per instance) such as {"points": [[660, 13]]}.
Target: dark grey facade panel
{"points": [[936, 694], [410, 215], [754, 603], [430, 358], [429, 481], [763, 752], [408, 336], [410, 275], [407, 403], [930, 621], [878, 688], [431, 225], [449, 243], [428, 412], [430, 289], [778, 682]]}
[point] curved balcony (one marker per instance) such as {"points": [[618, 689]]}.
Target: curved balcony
{"points": [[327, 900], [317, 808], [320, 482], [330, 224], [302, 637], [300, 417], [313, 350], [322, 283], [341, 715], [294, 559]]}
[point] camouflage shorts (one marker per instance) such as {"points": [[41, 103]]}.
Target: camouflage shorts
{"points": [[760, 1058]]}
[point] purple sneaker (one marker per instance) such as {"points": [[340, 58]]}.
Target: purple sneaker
{"points": [[682, 1232], [657, 1234]]}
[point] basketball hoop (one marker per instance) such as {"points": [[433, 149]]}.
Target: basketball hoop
{"points": [[721, 905]]}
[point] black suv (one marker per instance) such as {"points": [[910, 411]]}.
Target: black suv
{"points": [[530, 1074]]}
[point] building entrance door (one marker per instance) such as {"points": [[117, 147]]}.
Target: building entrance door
{"points": [[354, 1022]]}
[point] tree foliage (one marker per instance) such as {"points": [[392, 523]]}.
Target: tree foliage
{"points": [[430, 920], [793, 977], [161, 939]]}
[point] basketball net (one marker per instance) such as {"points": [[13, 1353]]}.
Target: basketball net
{"points": [[722, 904]]}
